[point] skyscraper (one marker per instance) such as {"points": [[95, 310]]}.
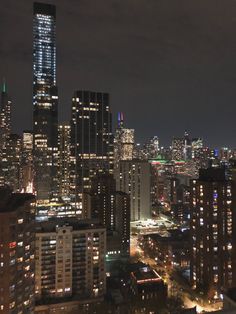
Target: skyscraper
{"points": [[45, 99], [151, 148], [197, 145], [182, 147], [112, 208], [178, 145], [123, 142], [134, 178], [5, 128], [123, 221], [5, 116], [91, 138], [26, 180], [11, 162], [103, 189], [187, 146], [64, 160]]}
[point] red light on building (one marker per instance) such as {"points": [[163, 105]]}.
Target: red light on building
{"points": [[12, 245]]}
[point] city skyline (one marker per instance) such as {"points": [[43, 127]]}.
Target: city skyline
{"points": [[176, 61], [97, 213]]}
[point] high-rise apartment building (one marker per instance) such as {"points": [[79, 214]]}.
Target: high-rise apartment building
{"points": [[91, 138], [45, 100], [16, 252], [103, 189], [64, 160], [112, 209], [123, 221], [134, 178], [212, 232], [70, 260]]}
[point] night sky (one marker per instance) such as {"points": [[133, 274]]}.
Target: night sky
{"points": [[169, 65]]}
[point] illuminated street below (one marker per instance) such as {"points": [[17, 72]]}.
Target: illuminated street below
{"points": [[174, 288]]}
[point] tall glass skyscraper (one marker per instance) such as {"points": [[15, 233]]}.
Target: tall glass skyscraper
{"points": [[91, 138], [45, 100], [123, 142], [5, 113], [5, 129]]}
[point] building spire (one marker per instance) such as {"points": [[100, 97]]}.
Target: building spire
{"points": [[4, 85], [120, 119]]}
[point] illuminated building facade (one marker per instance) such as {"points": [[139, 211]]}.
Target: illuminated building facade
{"points": [[103, 188], [179, 199], [45, 100], [212, 232], [123, 142], [182, 147], [123, 221], [197, 145], [171, 249], [187, 146], [178, 148], [5, 129], [138, 152], [134, 178], [52, 210], [11, 162], [16, 252], [70, 260], [151, 148], [27, 176], [225, 154], [147, 287], [64, 160], [112, 209], [5, 117], [91, 138], [202, 157]]}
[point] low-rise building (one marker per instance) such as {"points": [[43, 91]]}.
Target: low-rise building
{"points": [[147, 285], [171, 249]]}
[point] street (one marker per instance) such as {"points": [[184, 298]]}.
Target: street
{"points": [[174, 287]]}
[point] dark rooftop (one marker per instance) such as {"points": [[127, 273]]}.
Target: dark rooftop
{"points": [[174, 235], [146, 274], [212, 174], [231, 293], [11, 201], [189, 311], [44, 8], [76, 224]]}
